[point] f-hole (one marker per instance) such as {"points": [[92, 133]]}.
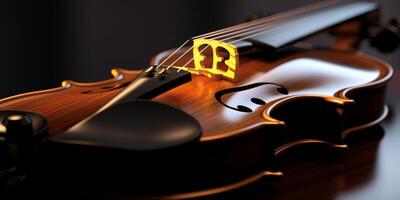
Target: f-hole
{"points": [[241, 108]]}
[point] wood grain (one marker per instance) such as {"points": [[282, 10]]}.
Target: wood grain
{"points": [[248, 133], [68, 105]]}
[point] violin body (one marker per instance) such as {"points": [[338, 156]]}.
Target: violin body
{"points": [[220, 121], [327, 95], [73, 101]]}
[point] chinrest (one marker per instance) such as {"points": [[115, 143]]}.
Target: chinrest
{"points": [[135, 126]]}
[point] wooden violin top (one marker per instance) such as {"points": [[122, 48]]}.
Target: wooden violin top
{"points": [[326, 74], [307, 72]]}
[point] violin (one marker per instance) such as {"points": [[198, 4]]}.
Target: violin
{"points": [[207, 118]]}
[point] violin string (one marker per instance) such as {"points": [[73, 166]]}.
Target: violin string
{"points": [[235, 41], [256, 33], [248, 32], [275, 17], [253, 29], [183, 66], [223, 40], [250, 36], [271, 18], [181, 56], [259, 23], [204, 48], [173, 53]]}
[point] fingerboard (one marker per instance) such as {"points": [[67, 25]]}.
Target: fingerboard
{"points": [[295, 29]]}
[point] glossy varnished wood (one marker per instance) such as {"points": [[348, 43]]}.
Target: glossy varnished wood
{"points": [[70, 103], [368, 171], [224, 129], [197, 98], [73, 102]]}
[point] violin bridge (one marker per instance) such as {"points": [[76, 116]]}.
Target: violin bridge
{"points": [[231, 61]]}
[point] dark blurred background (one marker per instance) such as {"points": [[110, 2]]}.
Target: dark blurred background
{"points": [[48, 41]]}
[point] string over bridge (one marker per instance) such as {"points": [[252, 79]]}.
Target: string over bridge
{"points": [[231, 62]]}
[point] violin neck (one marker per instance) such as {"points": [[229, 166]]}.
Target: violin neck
{"points": [[292, 29]]}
